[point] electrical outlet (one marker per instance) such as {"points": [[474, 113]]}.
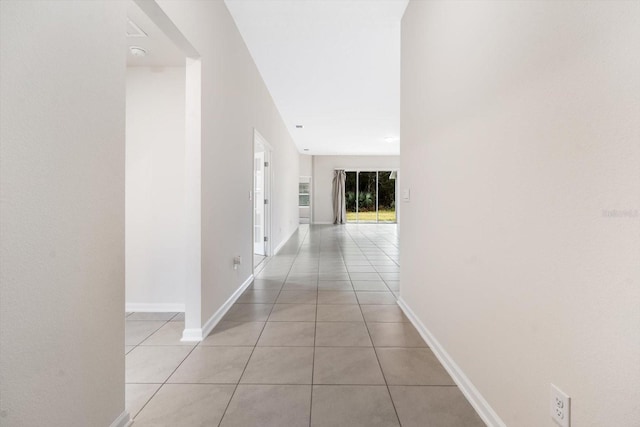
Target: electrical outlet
{"points": [[560, 407]]}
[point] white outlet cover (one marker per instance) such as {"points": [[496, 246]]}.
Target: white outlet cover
{"points": [[560, 406]]}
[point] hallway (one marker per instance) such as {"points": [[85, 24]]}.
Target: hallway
{"points": [[317, 340]]}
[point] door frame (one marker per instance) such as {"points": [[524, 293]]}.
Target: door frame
{"points": [[377, 171], [268, 184]]}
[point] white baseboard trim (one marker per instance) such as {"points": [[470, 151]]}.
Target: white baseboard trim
{"points": [[124, 420], [202, 333], [153, 307], [322, 223], [482, 407], [284, 241]]}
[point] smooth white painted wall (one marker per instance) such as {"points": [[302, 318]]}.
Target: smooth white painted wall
{"points": [[323, 167], [234, 102], [306, 165], [62, 126], [520, 132], [155, 193]]}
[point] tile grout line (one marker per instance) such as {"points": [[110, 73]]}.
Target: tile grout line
{"points": [[140, 345], [384, 377], [261, 332], [169, 376], [315, 331]]}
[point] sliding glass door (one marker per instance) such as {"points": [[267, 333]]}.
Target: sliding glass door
{"points": [[351, 194], [387, 196], [370, 196]]}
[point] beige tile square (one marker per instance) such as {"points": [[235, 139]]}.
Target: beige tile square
{"points": [[390, 276], [267, 284], [248, 312], [288, 334], [279, 365], [337, 297], [296, 286], [335, 285], [169, 334], [412, 366], [228, 333], [342, 334], [339, 313], [293, 313], [365, 276], [393, 285], [297, 297], [376, 298], [370, 285], [352, 406], [383, 313], [153, 364], [387, 269], [137, 331], [361, 269], [178, 318], [214, 365], [186, 405], [258, 296], [334, 276], [346, 365], [269, 406], [395, 335], [137, 395], [433, 406]]}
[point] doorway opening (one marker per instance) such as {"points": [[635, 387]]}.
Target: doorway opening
{"points": [[261, 199], [371, 196]]}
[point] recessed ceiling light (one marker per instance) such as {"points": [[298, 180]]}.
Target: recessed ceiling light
{"points": [[137, 51], [306, 149], [389, 139], [298, 126]]}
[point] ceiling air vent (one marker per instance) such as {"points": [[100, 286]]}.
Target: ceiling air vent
{"points": [[133, 30]]}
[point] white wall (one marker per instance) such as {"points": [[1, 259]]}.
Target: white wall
{"points": [[234, 102], [323, 167], [520, 134], [62, 127], [306, 165], [155, 194]]}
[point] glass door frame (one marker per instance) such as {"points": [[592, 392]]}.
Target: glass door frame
{"points": [[261, 144], [377, 171]]}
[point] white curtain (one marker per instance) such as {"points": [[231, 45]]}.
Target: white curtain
{"points": [[339, 204]]}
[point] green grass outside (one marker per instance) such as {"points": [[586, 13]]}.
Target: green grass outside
{"points": [[383, 215]]}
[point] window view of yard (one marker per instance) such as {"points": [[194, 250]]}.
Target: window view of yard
{"points": [[370, 196], [383, 215]]}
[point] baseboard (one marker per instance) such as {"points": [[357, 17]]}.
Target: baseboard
{"points": [[322, 223], [202, 333], [482, 407], [124, 420], [284, 241], [153, 307]]}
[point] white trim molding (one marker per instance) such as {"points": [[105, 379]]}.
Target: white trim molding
{"points": [[153, 307], [324, 223], [124, 420], [479, 403], [285, 240], [202, 333]]}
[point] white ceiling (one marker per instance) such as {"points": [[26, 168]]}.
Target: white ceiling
{"points": [[332, 66], [161, 52]]}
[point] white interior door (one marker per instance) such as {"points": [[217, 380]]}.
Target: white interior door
{"points": [[259, 202]]}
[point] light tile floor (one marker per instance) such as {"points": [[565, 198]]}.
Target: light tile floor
{"points": [[316, 340]]}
